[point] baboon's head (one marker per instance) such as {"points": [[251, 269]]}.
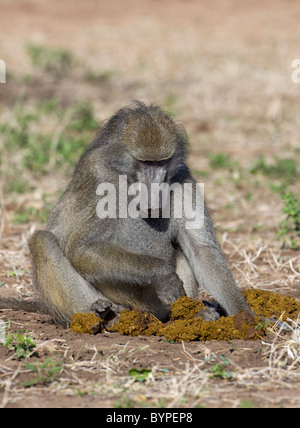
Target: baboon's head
{"points": [[146, 145]]}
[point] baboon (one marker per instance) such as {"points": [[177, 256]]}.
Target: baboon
{"points": [[82, 262]]}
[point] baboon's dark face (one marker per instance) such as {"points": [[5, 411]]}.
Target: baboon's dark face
{"points": [[148, 173], [144, 174]]}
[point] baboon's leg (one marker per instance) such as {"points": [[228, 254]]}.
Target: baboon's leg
{"points": [[61, 288], [128, 278]]}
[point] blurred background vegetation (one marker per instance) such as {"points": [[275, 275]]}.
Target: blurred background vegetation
{"points": [[223, 70]]}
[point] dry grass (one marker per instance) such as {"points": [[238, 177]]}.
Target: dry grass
{"points": [[191, 386], [257, 266]]}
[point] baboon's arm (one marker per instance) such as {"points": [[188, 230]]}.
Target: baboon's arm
{"points": [[210, 267]]}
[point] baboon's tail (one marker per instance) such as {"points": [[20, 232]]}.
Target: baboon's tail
{"points": [[24, 305]]}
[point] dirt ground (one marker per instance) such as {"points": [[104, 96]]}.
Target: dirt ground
{"points": [[223, 68]]}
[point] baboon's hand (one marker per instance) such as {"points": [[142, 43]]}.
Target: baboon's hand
{"points": [[107, 311], [208, 314], [101, 308], [170, 288]]}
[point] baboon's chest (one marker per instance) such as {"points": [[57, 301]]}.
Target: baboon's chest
{"points": [[146, 237]]}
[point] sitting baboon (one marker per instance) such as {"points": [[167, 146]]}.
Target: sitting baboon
{"points": [[84, 261]]}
